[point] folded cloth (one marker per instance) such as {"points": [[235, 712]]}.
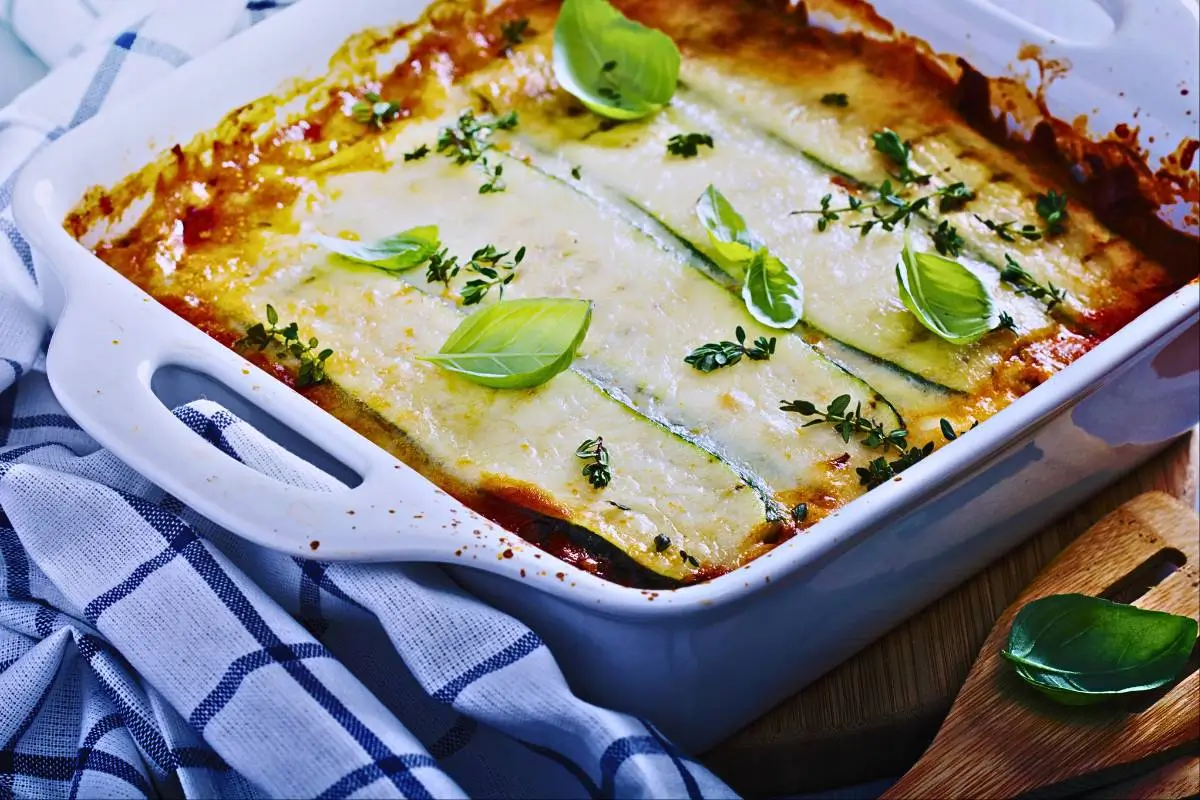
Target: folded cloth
{"points": [[146, 651]]}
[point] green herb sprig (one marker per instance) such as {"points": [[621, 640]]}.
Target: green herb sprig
{"points": [[899, 152], [835, 99], [373, 110], [1024, 283], [880, 470], [514, 32], [890, 210], [1052, 208], [1008, 232], [287, 340], [712, 356], [597, 470], [947, 240], [687, 145], [442, 267], [849, 423], [948, 432], [470, 136], [493, 172], [489, 264], [417, 154]]}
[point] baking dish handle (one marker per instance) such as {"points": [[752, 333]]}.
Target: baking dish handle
{"points": [[100, 364]]}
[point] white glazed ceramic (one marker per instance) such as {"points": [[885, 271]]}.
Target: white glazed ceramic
{"points": [[699, 661]]}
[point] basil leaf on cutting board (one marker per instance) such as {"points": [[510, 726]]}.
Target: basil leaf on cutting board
{"points": [[945, 297], [516, 344], [618, 68], [772, 292], [396, 253], [1080, 650]]}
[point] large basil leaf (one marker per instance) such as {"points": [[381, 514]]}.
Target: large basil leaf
{"points": [[733, 240], [1080, 649], [396, 253], [945, 297], [516, 344], [772, 292], [616, 67]]}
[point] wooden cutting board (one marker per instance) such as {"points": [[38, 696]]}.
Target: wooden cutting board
{"points": [[873, 716]]}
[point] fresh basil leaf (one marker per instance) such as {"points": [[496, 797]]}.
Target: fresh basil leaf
{"points": [[516, 344], [945, 297], [618, 68], [397, 253], [1080, 649], [772, 292], [734, 242]]}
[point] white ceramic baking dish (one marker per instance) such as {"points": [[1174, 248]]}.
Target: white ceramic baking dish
{"points": [[699, 661]]}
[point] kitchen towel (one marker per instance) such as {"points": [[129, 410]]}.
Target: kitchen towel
{"points": [[145, 651]]}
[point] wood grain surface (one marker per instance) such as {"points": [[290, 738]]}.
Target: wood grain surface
{"points": [[873, 716], [1002, 739]]}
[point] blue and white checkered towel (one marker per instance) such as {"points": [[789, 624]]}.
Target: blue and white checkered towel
{"points": [[144, 651]]}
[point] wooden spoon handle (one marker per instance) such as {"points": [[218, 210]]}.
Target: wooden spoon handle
{"points": [[1002, 739]]}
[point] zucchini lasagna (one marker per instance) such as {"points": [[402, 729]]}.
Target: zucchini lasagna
{"points": [[656, 285]]}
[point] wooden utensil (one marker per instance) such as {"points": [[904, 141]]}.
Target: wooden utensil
{"points": [[1002, 738], [872, 717]]}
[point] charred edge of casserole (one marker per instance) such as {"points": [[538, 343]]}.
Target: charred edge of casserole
{"points": [[518, 509]]}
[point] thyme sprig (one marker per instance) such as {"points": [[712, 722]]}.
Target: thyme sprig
{"points": [[1052, 208], [442, 267], [880, 470], [714, 355], [946, 239], [1024, 283], [1008, 230], [849, 423], [493, 172], [948, 432], [890, 209], [417, 154], [514, 32], [373, 110], [470, 136], [488, 263], [899, 152], [597, 470], [287, 340], [687, 145]]}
